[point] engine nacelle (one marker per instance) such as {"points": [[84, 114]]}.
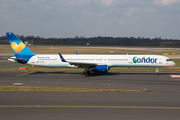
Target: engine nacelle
{"points": [[100, 68]]}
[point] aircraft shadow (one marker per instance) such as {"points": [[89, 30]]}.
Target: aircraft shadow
{"points": [[52, 72], [71, 72], [104, 74]]}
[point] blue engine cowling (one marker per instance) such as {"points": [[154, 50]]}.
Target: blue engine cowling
{"points": [[100, 68]]}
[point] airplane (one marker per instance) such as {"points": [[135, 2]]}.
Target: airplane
{"points": [[90, 62]]}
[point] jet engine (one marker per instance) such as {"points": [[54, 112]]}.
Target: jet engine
{"points": [[100, 68]]}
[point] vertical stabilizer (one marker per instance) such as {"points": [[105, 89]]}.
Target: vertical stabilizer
{"points": [[21, 51]]}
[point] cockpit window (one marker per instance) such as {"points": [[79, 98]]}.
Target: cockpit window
{"points": [[168, 60]]}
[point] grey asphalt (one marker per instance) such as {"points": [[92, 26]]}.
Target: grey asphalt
{"points": [[4, 63], [9, 64], [162, 102]]}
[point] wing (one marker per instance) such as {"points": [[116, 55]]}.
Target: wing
{"points": [[82, 64], [79, 64]]}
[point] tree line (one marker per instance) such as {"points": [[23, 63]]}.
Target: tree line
{"points": [[97, 41]]}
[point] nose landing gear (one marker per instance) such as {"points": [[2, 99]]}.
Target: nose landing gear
{"points": [[157, 70]]}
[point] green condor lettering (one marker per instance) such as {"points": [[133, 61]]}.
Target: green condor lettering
{"points": [[144, 60]]}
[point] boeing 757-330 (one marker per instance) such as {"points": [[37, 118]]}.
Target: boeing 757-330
{"points": [[90, 62]]}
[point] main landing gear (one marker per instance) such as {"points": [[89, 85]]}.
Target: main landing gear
{"points": [[86, 71]]}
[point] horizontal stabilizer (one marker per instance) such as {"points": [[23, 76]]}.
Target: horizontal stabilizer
{"points": [[17, 59]]}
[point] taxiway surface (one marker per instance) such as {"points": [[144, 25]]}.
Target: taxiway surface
{"points": [[162, 102]]}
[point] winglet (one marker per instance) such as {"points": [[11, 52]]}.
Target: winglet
{"points": [[62, 59], [76, 52]]}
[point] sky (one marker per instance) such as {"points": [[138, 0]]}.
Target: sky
{"points": [[91, 18]]}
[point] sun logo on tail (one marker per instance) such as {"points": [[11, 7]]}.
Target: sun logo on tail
{"points": [[16, 47]]}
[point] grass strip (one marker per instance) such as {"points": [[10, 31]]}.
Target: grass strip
{"points": [[64, 89]]}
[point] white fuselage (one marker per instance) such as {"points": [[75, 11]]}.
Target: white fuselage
{"points": [[45, 60]]}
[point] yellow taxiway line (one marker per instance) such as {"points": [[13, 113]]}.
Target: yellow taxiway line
{"points": [[24, 74]]}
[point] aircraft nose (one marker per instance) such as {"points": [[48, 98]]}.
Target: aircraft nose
{"points": [[173, 63]]}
